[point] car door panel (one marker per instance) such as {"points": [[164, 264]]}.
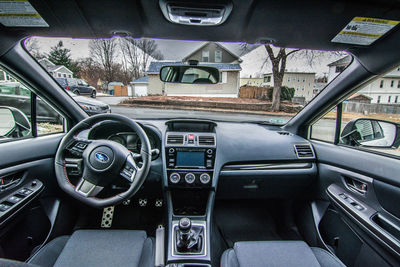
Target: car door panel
{"points": [[27, 222], [363, 187]]}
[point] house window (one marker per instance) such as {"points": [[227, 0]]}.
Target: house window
{"points": [[398, 84], [304, 80], [288, 79], [59, 74], [398, 68], [392, 83], [267, 79], [396, 99], [205, 56], [381, 84], [389, 98], [379, 99], [69, 76], [218, 56], [65, 75]]}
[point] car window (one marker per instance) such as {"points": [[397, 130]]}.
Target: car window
{"points": [[324, 129], [370, 117], [16, 118]]}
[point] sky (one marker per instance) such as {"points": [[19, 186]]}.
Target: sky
{"points": [[254, 59]]}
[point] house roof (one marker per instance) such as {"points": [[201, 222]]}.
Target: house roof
{"points": [[144, 79], [343, 61], [155, 66], [292, 72], [218, 44], [359, 96], [58, 67], [48, 61], [115, 83]]}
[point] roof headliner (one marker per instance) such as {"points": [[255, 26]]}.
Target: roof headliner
{"points": [[289, 23]]}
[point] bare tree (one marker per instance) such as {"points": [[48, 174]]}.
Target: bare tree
{"points": [[91, 71], [32, 45], [149, 49], [106, 52], [278, 58], [131, 53]]}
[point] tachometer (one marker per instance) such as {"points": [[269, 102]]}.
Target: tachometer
{"points": [[118, 139]]}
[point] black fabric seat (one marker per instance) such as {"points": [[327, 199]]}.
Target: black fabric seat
{"points": [[277, 253], [97, 248]]}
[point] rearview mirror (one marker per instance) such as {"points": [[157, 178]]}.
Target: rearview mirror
{"points": [[371, 133], [13, 123], [189, 74]]}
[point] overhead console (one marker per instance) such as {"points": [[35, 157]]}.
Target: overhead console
{"points": [[190, 150]]}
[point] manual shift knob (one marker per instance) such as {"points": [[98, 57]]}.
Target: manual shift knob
{"points": [[185, 224]]}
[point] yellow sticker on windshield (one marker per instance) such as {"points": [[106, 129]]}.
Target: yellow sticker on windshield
{"points": [[20, 13], [364, 31]]}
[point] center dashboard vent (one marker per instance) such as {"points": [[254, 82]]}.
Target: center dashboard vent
{"points": [[206, 140], [304, 151], [174, 139]]}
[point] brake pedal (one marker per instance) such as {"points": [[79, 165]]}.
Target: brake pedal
{"points": [[107, 218]]}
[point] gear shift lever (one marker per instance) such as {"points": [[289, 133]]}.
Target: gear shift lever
{"points": [[185, 225]]}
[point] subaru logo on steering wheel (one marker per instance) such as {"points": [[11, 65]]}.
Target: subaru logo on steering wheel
{"points": [[103, 158]]}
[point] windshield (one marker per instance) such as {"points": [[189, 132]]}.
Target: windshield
{"points": [[256, 82]]}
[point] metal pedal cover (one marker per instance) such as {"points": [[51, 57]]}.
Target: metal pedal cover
{"points": [[142, 202], [159, 203], [108, 214]]}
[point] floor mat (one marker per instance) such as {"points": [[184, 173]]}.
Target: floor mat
{"points": [[250, 220]]}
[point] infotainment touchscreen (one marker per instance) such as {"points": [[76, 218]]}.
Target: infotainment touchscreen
{"points": [[190, 159]]}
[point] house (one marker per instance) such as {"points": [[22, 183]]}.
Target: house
{"points": [[139, 87], [57, 71], [302, 82], [209, 54], [252, 81], [384, 90]]}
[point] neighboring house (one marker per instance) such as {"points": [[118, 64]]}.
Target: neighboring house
{"points": [[57, 71], [139, 86], [210, 54], [302, 82], [251, 81], [318, 87], [336, 67], [384, 90]]}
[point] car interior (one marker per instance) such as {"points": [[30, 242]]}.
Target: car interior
{"points": [[107, 190]]}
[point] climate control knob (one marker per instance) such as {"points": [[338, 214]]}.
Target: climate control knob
{"points": [[174, 178], [205, 178], [189, 178]]}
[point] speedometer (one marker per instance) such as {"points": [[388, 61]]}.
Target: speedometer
{"points": [[118, 139]]}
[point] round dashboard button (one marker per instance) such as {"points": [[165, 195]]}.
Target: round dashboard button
{"points": [[189, 178], [175, 178], [171, 150], [205, 178], [210, 151]]}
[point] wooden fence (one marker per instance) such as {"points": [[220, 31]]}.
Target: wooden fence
{"points": [[253, 92], [120, 90]]}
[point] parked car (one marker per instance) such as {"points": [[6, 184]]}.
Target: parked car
{"points": [[16, 95], [77, 86], [91, 106]]}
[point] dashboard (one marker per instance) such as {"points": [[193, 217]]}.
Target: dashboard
{"points": [[242, 160]]}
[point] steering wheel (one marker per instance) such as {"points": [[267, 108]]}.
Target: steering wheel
{"points": [[103, 161]]}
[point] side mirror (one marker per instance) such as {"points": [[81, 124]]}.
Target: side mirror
{"points": [[13, 123], [189, 74], [371, 133]]}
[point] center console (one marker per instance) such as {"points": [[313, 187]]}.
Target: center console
{"points": [[190, 151]]}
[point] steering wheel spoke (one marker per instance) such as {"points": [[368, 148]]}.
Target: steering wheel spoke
{"points": [[87, 189], [78, 146], [130, 168]]}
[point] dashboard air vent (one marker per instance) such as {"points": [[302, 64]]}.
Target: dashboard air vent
{"points": [[175, 139], [206, 140], [304, 151]]}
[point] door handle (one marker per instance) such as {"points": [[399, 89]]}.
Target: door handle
{"points": [[356, 185]]}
